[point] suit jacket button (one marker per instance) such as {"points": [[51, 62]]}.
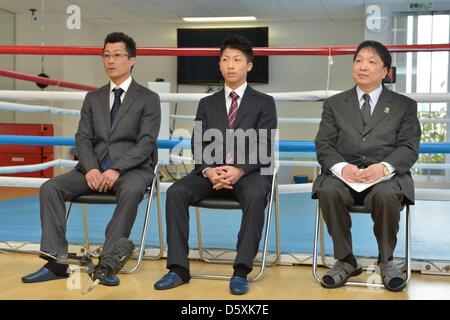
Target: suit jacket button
{"points": [[364, 139], [363, 157]]}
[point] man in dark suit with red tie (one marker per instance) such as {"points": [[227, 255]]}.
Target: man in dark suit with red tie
{"points": [[224, 174]]}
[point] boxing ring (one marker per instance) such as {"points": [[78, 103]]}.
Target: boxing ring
{"points": [[283, 146]]}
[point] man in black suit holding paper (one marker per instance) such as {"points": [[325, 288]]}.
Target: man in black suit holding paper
{"points": [[366, 133]]}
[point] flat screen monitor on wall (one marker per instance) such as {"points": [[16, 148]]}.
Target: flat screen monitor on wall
{"points": [[205, 70]]}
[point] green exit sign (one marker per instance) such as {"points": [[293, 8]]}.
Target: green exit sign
{"points": [[420, 6]]}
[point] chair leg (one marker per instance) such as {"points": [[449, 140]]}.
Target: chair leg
{"points": [[199, 234], [86, 229], [144, 230], [408, 244], [69, 209], [277, 230], [160, 225], [315, 244]]}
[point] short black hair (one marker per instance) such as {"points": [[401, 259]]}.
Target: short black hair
{"points": [[115, 37], [238, 42], [380, 49]]}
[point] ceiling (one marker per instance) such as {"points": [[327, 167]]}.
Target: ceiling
{"points": [[129, 12]]}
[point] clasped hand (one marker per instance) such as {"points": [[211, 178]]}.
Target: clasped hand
{"points": [[372, 173], [101, 182], [224, 177]]}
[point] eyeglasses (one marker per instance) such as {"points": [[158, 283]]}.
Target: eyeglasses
{"points": [[115, 56]]}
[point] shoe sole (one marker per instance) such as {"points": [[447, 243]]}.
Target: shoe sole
{"points": [[110, 284], [167, 288], [238, 293], [355, 273], [34, 281]]}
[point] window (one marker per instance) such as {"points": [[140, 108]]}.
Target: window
{"points": [[426, 72]]}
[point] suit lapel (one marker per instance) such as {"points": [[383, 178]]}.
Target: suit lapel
{"points": [[381, 110], [244, 106], [103, 97], [130, 97], [221, 111], [352, 109]]}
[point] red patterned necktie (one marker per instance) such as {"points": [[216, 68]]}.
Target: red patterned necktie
{"points": [[233, 109], [231, 118]]}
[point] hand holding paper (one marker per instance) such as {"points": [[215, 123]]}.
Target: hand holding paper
{"points": [[361, 179]]}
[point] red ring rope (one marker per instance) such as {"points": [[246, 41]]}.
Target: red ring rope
{"points": [[37, 79], [64, 50], [313, 50]]}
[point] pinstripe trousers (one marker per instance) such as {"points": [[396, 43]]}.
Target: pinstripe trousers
{"points": [[129, 188], [252, 193]]}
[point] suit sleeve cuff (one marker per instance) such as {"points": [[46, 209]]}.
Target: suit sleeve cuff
{"points": [[337, 168], [204, 172], [389, 167]]}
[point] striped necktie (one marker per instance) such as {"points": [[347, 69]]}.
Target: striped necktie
{"points": [[229, 159], [233, 109]]}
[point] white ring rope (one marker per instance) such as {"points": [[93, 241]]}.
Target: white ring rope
{"points": [[9, 106], [186, 160], [304, 120], [303, 96], [315, 164], [38, 167]]}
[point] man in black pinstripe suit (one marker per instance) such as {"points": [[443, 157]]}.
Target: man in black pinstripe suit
{"points": [[116, 137], [225, 174]]}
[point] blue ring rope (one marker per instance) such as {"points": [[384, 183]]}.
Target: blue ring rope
{"points": [[284, 145]]}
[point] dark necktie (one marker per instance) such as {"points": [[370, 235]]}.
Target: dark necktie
{"points": [[106, 163], [116, 105], [229, 159], [365, 109]]}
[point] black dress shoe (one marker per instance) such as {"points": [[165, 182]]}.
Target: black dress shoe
{"points": [[43, 274], [111, 281], [238, 285], [169, 281]]}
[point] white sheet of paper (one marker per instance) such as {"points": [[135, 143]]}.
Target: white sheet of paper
{"points": [[359, 186]]}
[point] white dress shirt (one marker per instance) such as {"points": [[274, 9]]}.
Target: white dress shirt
{"points": [[239, 91], [124, 86]]}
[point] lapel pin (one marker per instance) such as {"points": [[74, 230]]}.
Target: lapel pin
{"points": [[387, 110]]}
